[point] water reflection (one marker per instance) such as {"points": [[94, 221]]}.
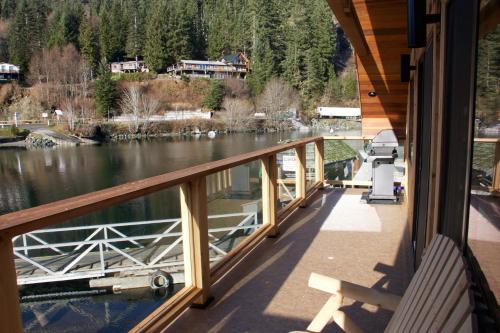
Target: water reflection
{"points": [[33, 177], [103, 313]]}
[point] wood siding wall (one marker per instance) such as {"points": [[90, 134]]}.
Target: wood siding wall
{"points": [[383, 24]]}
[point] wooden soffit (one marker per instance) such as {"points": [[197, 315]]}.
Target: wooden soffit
{"points": [[377, 31]]}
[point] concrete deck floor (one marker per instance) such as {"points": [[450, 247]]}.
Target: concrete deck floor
{"points": [[336, 236]]}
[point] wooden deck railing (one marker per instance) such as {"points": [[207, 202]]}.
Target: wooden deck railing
{"points": [[199, 276]]}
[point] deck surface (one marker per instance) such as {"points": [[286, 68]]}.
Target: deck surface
{"points": [[336, 236]]}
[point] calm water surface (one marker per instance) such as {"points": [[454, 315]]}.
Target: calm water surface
{"points": [[32, 177]]}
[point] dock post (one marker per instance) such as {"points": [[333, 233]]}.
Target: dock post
{"points": [[10, 312], [300, 174], [319, 167], [269, 193], [194, 214]]}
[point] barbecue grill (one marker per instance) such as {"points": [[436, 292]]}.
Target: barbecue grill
{"points": [[383, 153]]}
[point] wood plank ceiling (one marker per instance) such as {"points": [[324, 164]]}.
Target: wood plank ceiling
{"points": [[377, 30]]}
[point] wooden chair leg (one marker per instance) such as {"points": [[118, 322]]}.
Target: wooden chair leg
{"points": [[346, 323], [325, 315]]}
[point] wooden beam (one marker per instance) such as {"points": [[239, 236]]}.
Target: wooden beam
{"points": [[300, 174], [194, 215], [350, 24], [319, 163], [10, 315], [269, 193]]}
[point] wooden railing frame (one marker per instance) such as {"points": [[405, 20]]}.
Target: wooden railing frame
{"points": [[193, 196], [300, 174]]}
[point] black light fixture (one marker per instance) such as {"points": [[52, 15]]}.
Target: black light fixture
{"points": [[372, 93], [417, 21], [406, 68]]}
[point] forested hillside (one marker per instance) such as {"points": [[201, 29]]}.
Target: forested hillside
{"points": [[296, 40]]}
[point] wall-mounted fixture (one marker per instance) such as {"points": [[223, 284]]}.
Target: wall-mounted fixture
{"points": [[417, 21], [372, 93], [406, 68]]}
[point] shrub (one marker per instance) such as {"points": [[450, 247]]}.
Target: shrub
{"points": [[214, 97], [16, 131]]}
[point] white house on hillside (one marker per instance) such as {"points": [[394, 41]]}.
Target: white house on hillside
{"points": [[9, 71], [133, 66]]}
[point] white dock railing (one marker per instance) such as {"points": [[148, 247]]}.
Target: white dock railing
{"points": [[107, 248]]}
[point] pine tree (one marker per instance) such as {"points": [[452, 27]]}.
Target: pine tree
{"points": [[214, 96], [181, 32], [64, 25], [135, 32], [7, 8], [156, 54], [87, 40], [19, 41], [105, 91], [111, 31]]}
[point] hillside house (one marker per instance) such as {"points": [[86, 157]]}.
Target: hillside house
{"points": [[133, 66], [230, 66], [9, 72]]}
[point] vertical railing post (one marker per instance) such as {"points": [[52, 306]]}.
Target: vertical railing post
{"points": [[10, 312], [300, 186], [319, 167], [269, 193], [496, 168], [194, 214]]}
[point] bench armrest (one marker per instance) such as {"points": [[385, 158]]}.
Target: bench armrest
{"points": [[353, 291]]}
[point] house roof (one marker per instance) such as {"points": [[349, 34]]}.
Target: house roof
{"points": [[203, 62], [2, 64], [232, 58], [235, 57]]}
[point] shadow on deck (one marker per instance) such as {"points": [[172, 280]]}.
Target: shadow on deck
{"points": [[337, 236]]}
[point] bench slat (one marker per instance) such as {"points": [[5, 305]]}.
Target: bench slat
{"points": [[451, 301], [415, 281], [469, 325], [427, 271], [422, 300], [450, 290], [460, 313]]}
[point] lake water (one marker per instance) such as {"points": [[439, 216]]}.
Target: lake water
{"points": [[33, 177]]}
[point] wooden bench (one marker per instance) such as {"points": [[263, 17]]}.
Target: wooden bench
{"points": [[438, 298]]}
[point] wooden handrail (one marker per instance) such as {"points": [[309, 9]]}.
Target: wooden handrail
{"points": [[349, 137], [30, 219], [487, 140]]}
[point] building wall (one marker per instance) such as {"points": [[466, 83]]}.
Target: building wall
{"points": [[383, 24]]}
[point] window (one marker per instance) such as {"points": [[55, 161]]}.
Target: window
{"points": [[484, 215]]}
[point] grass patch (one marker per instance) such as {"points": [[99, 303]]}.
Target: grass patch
{"points": [[337, 150]]}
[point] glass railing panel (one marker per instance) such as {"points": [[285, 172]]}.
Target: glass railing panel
{"points": [[483, 161], [350, 160], [286, 179], [310, 166], [344, 158], [234, 207], [106, 270]]}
